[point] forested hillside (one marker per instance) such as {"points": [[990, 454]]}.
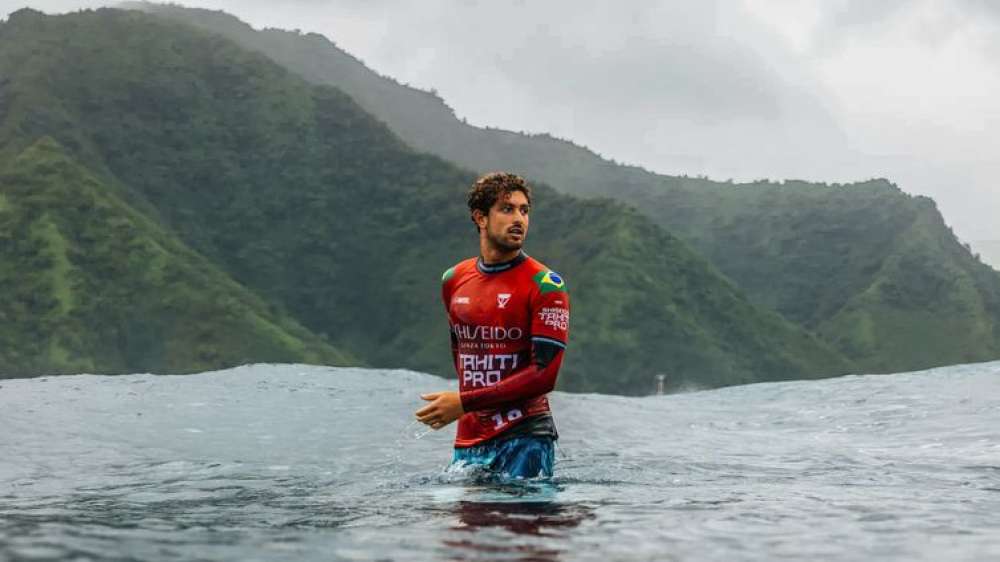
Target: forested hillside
{"points": [[90, 285], [305, 199], [873, 271]]}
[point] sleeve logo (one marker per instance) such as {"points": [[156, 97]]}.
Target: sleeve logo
{"points": [[554, 317], [549, 281]]}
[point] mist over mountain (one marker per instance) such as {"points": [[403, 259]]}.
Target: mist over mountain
{"points": [[744, 89], [314, 205], [873, 271]]}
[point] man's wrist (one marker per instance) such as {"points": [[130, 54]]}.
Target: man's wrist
{"points": [[467, 399]]}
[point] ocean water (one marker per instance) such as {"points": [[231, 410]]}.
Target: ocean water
{"points": [[294, 462]]}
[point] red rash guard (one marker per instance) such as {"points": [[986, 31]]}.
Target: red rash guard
{"points": [[499, 315]]}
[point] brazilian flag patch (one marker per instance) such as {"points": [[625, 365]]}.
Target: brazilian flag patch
{"points": [[447, 274], [549, 281]]}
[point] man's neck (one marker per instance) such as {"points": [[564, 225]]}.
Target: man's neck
{"points": [[491, 255], [513, 260]]}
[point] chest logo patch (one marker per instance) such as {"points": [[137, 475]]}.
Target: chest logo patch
{"points": [[502, 300], [461, 300]]}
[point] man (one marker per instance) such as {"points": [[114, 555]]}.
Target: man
{"points": [[509, 318]]}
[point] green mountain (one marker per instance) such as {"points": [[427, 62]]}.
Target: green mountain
{"points": [[421, 119], [304, 198], [870, 269], [90, 285], [821, 255]]}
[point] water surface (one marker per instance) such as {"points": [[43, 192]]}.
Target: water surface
{"points": [[294, 462]]}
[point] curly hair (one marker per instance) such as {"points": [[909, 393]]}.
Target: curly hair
{"points": [[489, 187]]}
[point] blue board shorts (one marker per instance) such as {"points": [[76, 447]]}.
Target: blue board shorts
{"points": [[519, 457]]}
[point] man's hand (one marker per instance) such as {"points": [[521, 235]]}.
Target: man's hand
{"points": [[444, 408]]}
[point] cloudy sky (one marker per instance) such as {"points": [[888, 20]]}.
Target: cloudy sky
{"points": [[827, 90]]}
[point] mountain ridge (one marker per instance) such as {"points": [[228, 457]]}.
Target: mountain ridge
{"points": [[301, 196], [805, 250]]}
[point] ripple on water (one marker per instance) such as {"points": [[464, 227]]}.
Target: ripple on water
{"points": [[290, 462]]}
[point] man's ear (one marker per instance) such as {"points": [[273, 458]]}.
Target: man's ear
{"points": [[479, 218]]}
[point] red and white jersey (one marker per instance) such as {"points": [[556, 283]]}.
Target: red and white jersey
{"points": [[496, 312]]}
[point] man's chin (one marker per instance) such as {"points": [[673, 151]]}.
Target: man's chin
{"points": [[511, 245], [506, 243]]}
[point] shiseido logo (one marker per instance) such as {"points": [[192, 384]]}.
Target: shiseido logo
{"points": [[502, 300], [487, 333]]}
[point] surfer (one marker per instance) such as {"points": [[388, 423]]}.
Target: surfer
{"points": [[509, 319]]}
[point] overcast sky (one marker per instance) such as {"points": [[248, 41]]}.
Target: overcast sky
{"points": [[826, 90]]}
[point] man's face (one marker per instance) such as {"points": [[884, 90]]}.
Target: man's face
{"points": [[507, 224]]}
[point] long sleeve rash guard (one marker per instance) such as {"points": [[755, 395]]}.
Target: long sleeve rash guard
{"points": [[509, 327]]}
